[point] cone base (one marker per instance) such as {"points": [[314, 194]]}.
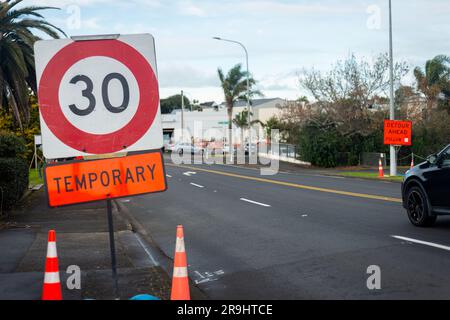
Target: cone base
{"points": [[52, 291], [180, 289]]}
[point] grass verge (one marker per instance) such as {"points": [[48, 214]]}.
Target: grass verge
{"points": [[369, 175], [34, 178]]}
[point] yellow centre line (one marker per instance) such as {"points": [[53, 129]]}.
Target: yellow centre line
{"points": [[293, 185]]}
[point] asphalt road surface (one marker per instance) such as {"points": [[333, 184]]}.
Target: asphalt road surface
{"points": [[295, 236]]}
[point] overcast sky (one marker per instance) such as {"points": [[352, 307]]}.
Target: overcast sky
{"points": [[282, 37]]}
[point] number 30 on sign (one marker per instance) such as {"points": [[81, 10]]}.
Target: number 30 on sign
{"points": [[98, 96]]}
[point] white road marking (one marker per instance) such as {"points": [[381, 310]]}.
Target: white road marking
{"points": [[431, 244], [208, 276], [168, 176], [189, 173], [304, 215], [196, 185], [146, 250], [254, 202]]}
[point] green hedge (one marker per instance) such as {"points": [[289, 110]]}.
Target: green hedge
{"points": [[13, 180], [319, 147], [11, 146], [13, 170], [328, 148]]}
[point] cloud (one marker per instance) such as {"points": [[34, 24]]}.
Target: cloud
{"points": [[90, 3], [187, 8], [266, 7], [283, 8], [287, 81], [185, 76]]}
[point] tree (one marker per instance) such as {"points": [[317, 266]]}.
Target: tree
{"points": [[17, 69], [234, 86], [173, 103], [271, 124], [344, 94], [241, 121], [403, 94], [435, 81], [7, 124]]}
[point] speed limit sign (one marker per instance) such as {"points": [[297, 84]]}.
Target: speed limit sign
{"points": [[98, 95]]}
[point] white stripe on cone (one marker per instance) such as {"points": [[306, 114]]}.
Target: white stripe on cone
{"points": [[180, 272], [179, 246], [51, 277], [51, 250]]}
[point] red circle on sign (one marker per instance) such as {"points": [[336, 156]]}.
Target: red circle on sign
{"points": [[83, 141]]}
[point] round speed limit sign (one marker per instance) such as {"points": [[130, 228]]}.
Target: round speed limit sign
{"points": [[98, 96]]}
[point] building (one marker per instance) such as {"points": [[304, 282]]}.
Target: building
{"points": [[211, 123]]}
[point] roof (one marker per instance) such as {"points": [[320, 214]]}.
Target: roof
{"points": [[208, 104], [256, 102]]}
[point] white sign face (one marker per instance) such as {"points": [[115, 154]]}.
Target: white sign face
{"points": [[98, 96], [37, 140]]}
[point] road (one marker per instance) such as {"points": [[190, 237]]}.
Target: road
{"points": [[295, 235]]}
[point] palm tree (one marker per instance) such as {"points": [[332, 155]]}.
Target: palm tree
{"points": [[434, 80], [271, 124], [234, 86], [241, 121], [17, 70]]}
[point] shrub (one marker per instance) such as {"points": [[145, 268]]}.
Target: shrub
{"points": [[11, 146], [13, 170], [13, 180], [319, 147]]}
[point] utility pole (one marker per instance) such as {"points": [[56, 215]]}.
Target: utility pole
{"points": [[393, 153], [182, 116], [248, 91]]}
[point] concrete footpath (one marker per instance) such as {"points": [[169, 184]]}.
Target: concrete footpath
{"points": [[82, 240]]}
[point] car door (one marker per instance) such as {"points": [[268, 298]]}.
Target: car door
{"points": [[439, 181]]}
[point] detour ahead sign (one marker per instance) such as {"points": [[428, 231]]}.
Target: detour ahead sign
{"points": [[397, 133], [85, 181]]}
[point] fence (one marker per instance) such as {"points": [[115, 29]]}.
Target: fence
{"points": [[285, 150]]}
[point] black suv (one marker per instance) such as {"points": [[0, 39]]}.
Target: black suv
{"points": [[426, 189]]}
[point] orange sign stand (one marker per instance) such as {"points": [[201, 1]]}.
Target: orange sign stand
{"points": [[91, 180], [397, 133]]}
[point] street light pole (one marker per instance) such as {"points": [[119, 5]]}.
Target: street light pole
{"points": [[182, 116], [248, 90], [393, 153]]}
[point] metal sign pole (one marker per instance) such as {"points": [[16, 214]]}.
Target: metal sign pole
{"points": [[113, 247]]}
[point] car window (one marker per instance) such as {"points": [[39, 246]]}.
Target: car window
{"points": [[446, 158]]}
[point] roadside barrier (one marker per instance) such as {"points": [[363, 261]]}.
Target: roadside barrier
{"points": [[180, 280], [380, 169], [52, 284]]}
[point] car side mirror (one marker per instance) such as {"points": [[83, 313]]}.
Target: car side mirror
{"points": [[432, 159]]}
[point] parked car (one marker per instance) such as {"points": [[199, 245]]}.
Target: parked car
{"points": [[169, 147], [254, 148], [185, 147], [426, 189]]}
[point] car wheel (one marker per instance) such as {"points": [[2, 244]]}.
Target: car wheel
{"points": [[418, 208], [180, 152]]}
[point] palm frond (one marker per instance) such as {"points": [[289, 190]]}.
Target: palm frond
{"points": [[17, 69]]}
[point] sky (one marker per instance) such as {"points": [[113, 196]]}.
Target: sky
{"points": [[282, 37]]}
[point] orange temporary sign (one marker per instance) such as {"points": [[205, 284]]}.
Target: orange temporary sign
{"points": [[397, 133], [85, 181]]}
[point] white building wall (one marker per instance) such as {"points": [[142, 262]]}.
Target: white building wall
{"points": [[211, 124]]}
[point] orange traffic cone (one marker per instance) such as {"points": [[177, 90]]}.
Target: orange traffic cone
{"points": [[180, 281], [380, 169], [412, 162], [52, 285]]}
